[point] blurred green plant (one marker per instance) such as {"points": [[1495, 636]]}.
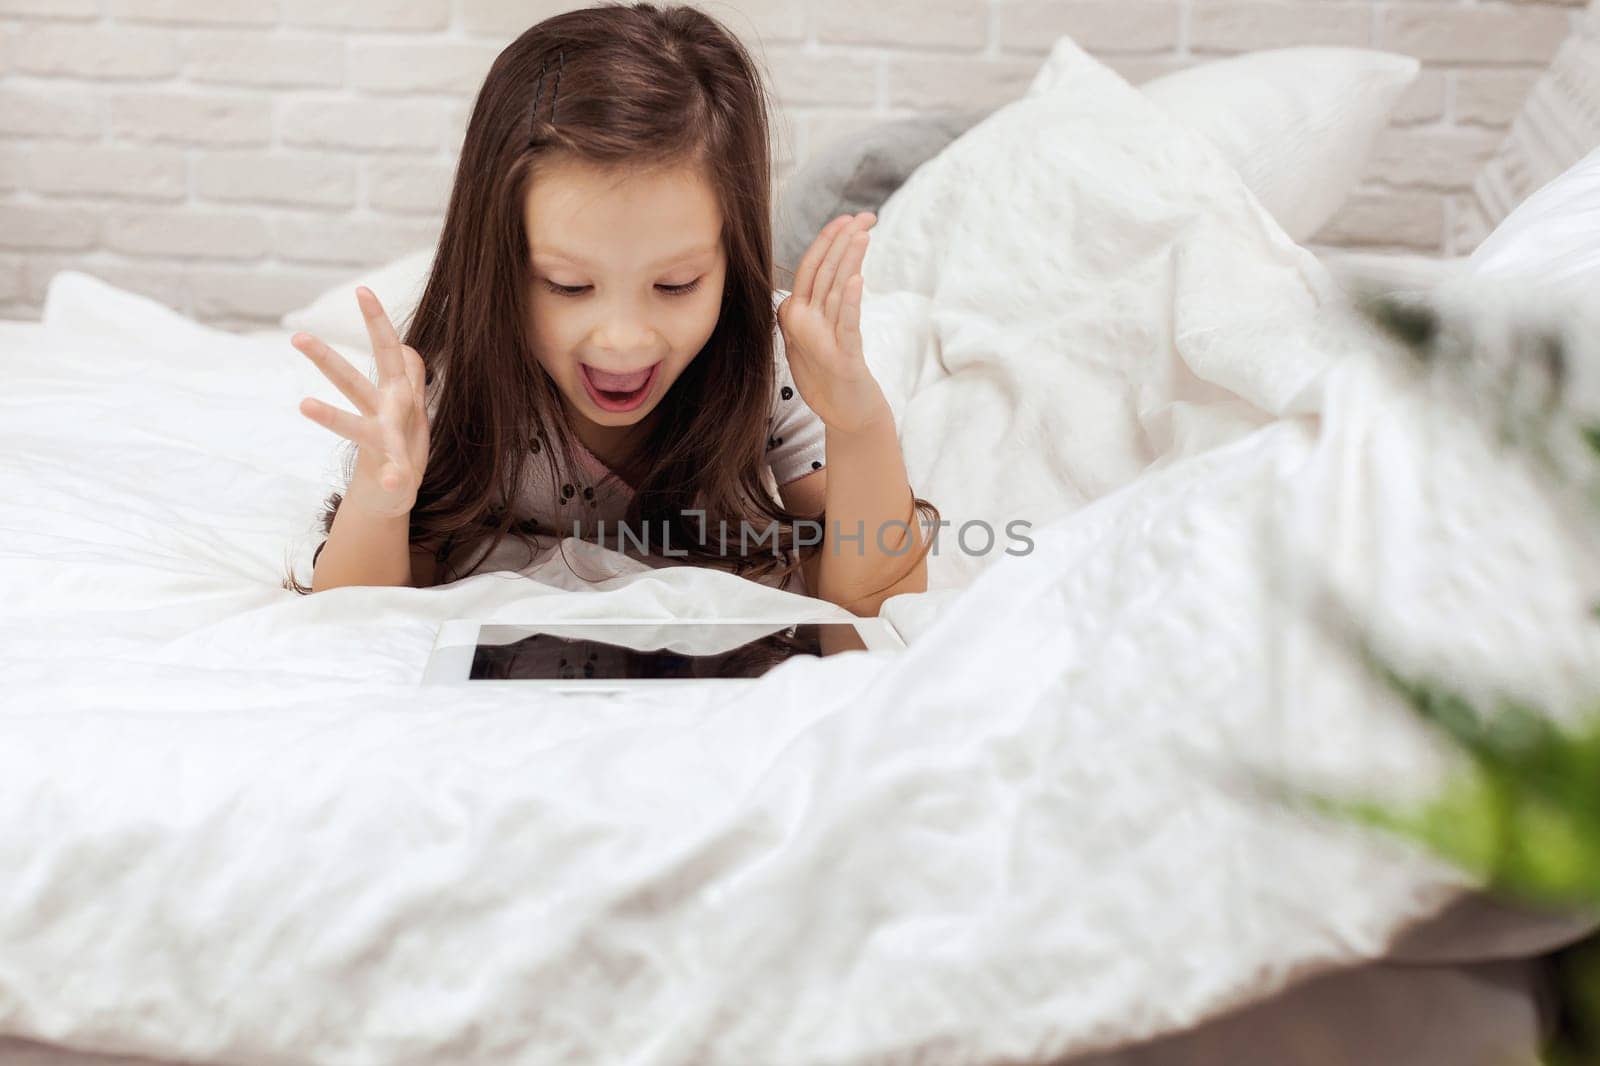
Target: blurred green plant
{"points": [[1522, 816], [1525, 818]]}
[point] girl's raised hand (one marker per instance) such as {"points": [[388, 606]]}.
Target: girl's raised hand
{"points": [[391, 431], [821, 323]]}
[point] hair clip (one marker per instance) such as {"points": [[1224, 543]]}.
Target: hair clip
{"points": [[538, 93], [533, 112], [555, 92]]}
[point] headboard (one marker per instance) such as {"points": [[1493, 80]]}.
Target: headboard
{"points": [[1559, 124]]}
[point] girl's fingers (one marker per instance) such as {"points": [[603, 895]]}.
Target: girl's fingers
{"points": [[385, 341], [805, 275], [415, 370], [356, 386], [823, 284], [393, 440], [849, 326], [849, 266], [351, 428]]}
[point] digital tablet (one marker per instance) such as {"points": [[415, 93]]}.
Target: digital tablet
{"points": [[589, 656]]}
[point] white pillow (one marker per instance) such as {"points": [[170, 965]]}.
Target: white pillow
{"points": [[1103, 293], [1298, 124], [1552, 239], [335, 317]]}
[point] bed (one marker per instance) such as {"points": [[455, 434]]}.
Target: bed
{"points": [[237, 831]]}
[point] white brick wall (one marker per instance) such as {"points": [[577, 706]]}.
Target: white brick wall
{"points": [[233, 158]]}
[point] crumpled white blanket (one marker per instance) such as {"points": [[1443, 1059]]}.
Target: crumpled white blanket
{"points": [[233, 827]]}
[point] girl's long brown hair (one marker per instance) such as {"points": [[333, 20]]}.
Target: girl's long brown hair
{"points": [[640, 86]]}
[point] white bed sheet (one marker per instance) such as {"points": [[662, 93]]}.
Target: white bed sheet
{"points": [[236, 829], [1484, 1014]]}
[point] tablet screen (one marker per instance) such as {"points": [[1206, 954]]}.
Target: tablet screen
{"points": [[611, 652]]}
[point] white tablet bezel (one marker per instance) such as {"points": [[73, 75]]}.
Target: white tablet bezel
{"points": [[453, 647]]}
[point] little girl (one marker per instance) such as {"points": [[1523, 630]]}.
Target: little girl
{"points": [[600, 348]]}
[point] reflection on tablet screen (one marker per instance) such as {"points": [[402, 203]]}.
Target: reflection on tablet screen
{"points": [[507, 652]]}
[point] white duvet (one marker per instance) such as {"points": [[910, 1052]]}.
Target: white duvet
{"points": [[233, 827]]}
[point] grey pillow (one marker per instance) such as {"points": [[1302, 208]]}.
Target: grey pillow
{"points": [[857, 173]]}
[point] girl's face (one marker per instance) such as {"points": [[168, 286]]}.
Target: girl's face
{"points": [[627, 287]]}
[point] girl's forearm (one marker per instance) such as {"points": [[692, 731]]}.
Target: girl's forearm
{"points": [[871, 534], [364, 549]]}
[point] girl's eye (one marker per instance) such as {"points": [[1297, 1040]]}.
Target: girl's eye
{"points": [[578, 290]]}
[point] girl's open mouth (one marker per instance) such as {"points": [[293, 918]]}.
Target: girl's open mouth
{"points": [[618, 392]]}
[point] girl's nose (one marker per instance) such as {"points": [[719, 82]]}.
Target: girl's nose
{"points": [[623, 335]]}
